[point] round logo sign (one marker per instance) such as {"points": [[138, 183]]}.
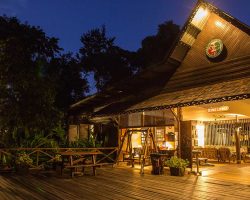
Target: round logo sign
{"points": [[214, 48]]}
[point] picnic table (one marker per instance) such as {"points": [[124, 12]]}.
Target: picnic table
{"points": [[75, 160]]}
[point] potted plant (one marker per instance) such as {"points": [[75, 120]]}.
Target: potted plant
{"points": [[23, 162], [177, 166]]}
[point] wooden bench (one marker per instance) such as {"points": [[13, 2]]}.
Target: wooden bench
{"points": [[207, 153], [202, 161], [245, 157], [224, 154], [73, 169]]}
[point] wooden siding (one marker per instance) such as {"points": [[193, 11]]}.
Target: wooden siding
{"points": [[147, 119], [236, 41], [209, 74]]}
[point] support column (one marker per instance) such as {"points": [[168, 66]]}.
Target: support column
{"points": [[237, 142], [178, 117]]}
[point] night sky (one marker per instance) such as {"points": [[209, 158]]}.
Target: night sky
{"points": [[128, 20]]}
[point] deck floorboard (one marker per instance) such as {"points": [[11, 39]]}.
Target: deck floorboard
{"points": [[220, 182]]}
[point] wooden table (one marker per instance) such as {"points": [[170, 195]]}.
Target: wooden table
{"points": [[73, 160], [169, 153]]}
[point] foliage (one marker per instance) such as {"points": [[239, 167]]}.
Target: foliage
{"points": [[26, 92], [176, 162], [6, 160], [69, 80], [100, 55], [155, 48], [111, 63], [23, 159], [58, 158], [3, 160], [37, 85], [36, 139], [84, 143]]}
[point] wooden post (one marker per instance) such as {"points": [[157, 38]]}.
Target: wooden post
{"points": [[237, 142], [178, 117], [145, 149], [153, 140], [121, 145]]}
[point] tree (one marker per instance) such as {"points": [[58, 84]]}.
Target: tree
{"points": [[69, 79], [109, 62], [155, 48], [27, 98]]}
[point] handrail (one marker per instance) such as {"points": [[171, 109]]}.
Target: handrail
{"points": [[41, 156], [63, 148]]}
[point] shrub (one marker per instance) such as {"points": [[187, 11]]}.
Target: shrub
{"points": [[23, 159]]}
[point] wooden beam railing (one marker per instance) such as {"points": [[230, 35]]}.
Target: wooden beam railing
{"points": [[41, 156]]}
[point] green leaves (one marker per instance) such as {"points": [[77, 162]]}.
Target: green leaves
{"points": [[100, 55], [27, 91], [176, 162], [23, 159]]}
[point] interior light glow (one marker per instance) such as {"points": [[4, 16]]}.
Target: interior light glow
{"points": [[200, 134], [219, 24], [233, 115], [201, 13], [200, 17], [168, 145]]}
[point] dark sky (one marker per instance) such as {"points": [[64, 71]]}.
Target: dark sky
{"points": [[128, 20]]}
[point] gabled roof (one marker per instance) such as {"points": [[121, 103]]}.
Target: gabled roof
{"points": [[192, 28], [197, 80]]}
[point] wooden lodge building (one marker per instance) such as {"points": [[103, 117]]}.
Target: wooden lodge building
{"points": [[197, 97]]}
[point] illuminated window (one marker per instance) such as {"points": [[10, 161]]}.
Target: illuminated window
{"points": [[200, 133]]}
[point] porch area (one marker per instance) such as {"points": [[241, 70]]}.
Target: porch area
{"points": [[223, 181]]}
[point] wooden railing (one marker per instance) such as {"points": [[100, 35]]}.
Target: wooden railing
{"points": [[41, 156]]}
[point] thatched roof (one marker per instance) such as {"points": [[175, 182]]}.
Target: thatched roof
{"points": [[226, 91]]}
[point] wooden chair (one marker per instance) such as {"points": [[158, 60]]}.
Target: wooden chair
{"points": [[224, 154], [210, 153]]}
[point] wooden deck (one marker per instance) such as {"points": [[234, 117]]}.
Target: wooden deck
{"points": [[220, 182]]}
